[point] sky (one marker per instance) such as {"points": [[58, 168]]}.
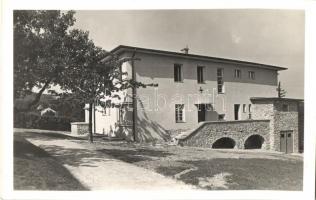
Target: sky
{"points": [[274, 37]]}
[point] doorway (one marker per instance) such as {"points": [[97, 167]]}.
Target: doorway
{"points": [[236, 111], [286, 141], [201, 112]]}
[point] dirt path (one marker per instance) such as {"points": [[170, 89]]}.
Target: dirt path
{"points": [[97, 171]]}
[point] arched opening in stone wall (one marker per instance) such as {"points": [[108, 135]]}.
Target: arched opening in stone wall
{"points": [[254, 142], [224, 143]]}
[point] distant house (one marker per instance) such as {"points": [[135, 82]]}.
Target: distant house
{"points": [[40, 107], [48, 112], [45, 100]]}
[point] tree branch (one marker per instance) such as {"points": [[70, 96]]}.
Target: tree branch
{"points": [[39, 94]]}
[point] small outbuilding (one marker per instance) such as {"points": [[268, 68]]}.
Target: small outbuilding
{"points": [[48, 112], [275, 124]]}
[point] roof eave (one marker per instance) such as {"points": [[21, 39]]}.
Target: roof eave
{"points": [[274, 99], [121, 48]]}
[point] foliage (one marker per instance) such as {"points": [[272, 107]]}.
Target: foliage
{"points": [[48, 52], [281, 92], [65, 105], [40, 52], [35, 121], [68, 106]]}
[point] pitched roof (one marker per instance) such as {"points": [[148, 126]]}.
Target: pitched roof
{"points": [[121, 48]]}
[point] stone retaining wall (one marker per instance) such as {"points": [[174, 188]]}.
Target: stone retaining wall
{"points": [[208, 133]]}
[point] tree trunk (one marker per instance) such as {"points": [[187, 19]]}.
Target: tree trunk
{"points": [[90, 123], [279, 90], [38, 95]]}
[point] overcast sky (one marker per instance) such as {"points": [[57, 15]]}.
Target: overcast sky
{"points": [[273, 37]]}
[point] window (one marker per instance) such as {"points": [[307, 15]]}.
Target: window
{"points": [[244, 108], [237, 73], [220, 81], [209, 107], [178, 73], [249, 108], [126, 113], [285, 107], [251, 74], [179, 113], [221, 117], [237, 111], [200, 78]]}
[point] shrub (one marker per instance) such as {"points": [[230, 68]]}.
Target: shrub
{"points": [[34, 120]]}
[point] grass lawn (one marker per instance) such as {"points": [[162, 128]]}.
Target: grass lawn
{"points": [[213, 169], [207, 169], [34, 169]]}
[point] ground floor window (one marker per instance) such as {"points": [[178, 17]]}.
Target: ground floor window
{"points": [[126, 114], [179, 114], [221, 117], [244, 108]]}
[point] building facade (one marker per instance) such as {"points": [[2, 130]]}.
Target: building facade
{"points": [[189, 89]]}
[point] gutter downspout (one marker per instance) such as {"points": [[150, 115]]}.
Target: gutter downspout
{"points": [[94, 124], [134, 100]]}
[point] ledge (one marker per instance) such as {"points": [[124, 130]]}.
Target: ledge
{"points": [[185, 135], [125, 125], [235, 121], [77, 123]]}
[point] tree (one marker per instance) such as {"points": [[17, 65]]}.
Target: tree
{"points": [[281, 92], [98, 77], [85, 74], [47, 52], [40, 54]]}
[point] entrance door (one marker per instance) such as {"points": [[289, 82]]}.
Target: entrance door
{"points": [[286, 141], [236, 111], [201, 112]]}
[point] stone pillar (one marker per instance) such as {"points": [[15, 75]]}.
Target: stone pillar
{"points": [[79, 128]]}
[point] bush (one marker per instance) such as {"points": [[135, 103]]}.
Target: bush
{"points": [[34, 120]]}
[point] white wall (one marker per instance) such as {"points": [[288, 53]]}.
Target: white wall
{"points": [[160, 69], [156, 105]]}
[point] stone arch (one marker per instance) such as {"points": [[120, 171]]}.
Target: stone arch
{"points": [[254, 142], [224, 143]]}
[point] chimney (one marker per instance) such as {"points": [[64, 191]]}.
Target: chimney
{"points": [[185, 50]]}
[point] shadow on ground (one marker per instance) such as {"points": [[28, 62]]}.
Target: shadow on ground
{"points": [[231, 170], [47, 136], [136, 155], [34, 169], [245, 174], [94, 153]]}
